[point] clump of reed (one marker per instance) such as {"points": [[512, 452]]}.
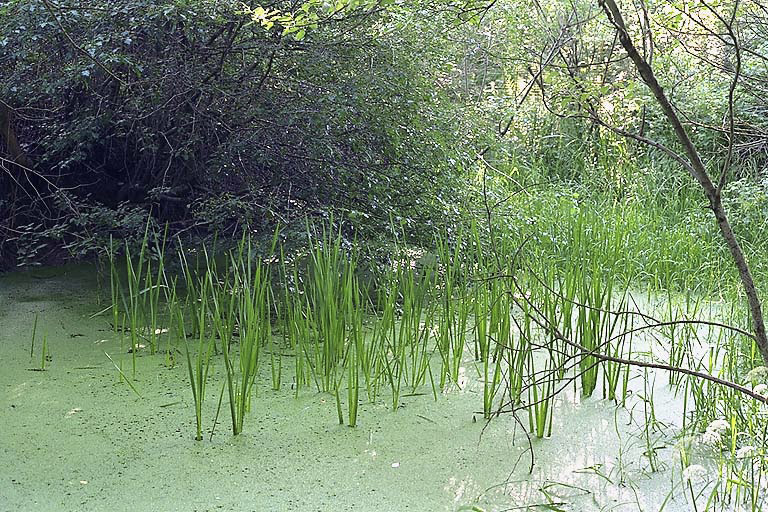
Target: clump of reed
{"points": [[249, 311], [524, 324]]}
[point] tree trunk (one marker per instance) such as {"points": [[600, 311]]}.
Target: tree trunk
{"points": [[698, 171], [740, 261], [8, 135]]}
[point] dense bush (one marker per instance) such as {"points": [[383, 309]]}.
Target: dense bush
{"points": [[193, 114]]}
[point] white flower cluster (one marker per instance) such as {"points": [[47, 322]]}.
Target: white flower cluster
{"points": [[758, 379], [695, 473], [715, 432], [746, 452], [757, 376]]}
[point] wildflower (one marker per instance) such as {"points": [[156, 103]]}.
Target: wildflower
{"points": [[757, 375], [761, 389], [719, 426], [711, 437], [694, 473], [746, 452], [715, 432]]}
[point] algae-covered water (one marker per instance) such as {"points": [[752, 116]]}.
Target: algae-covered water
{"points": [[73, 437]]}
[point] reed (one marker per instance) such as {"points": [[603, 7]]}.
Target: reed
{"points": [[32, 342], [456, 307], [198, 367], [417, 317], [123, 377], [154, 285], [44, 356], [135, 303], [614, 342], [275, 354], [353, 383], [327, 293], [254, 321], [485, 304], [541, 398], [493, 340]]}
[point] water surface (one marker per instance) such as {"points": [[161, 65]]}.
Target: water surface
{"points": [[74, 438]]}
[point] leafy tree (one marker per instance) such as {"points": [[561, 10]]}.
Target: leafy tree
{"points": [[671, 81], [204, 118]]}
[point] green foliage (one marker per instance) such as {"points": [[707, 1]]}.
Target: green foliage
{"points": [[83, 230], [747, 203], [350, 118]]}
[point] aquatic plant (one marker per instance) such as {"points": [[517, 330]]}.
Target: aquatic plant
{"points": [[527, 325], [198, 370], [122, 375], [456, 307], [253, 308], [32, 342], [133, 304], [353, 383], [44, 353], [541, 400]]}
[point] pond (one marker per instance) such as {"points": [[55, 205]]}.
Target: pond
{"points": [[76, 437]]}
